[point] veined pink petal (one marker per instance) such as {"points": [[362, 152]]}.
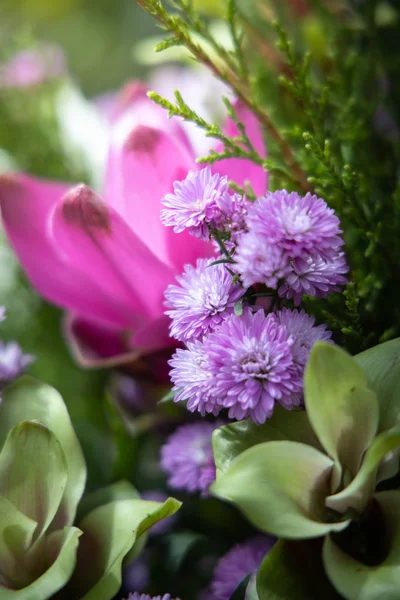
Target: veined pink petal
{"points": [[240, 170], [143, 164], [94, 236], [26, 204]]}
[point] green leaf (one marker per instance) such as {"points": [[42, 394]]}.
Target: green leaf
{"points": [[356, 581], [294, 571], [229, 441], [29, 399], [341, 408], [33, 472], [61, 554], [359, 492], [382, 366], [110, 531], [281, 488]]}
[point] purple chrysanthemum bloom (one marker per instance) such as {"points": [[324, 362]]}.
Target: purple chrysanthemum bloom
{"points": [[234, 207], [204, 297], [194, 205], [299, 225], [258, 261], [252, 363], [138, 596], [241, 561], [192, 377], [187, 457], [12, 362], [314, 276], [302, 329]]}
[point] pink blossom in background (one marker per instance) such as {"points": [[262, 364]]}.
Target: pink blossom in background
{"points": [[108, 259], [33, 66]]}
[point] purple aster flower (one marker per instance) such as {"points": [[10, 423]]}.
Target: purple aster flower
{"points": [[194, 203], [187, 457], [302, 329], [204, 297], [138, 596], [258, 261], [314, 276], [192, 377], [299, 225], [12, 362], [252, 363], [241, 561], [234, 207]]}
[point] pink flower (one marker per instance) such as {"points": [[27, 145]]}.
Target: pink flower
{"points": [[33, 66], [109, 261]]}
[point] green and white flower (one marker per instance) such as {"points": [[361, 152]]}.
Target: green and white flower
{"points": [[310, 474]]}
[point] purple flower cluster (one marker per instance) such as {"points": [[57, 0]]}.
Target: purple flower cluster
{"points": [[241, 561], [203, 202], [187, 457], [243, 354], [293, 243], [247, 365]]}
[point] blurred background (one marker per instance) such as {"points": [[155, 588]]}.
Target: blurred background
{"points": [[98, 37]]}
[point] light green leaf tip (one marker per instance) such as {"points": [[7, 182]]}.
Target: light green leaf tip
{"points": [[382, 366]]}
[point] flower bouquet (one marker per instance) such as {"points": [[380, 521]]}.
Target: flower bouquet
{"points": [[227, 274]]}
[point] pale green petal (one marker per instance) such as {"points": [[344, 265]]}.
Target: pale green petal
{"points": [[382, 366], [120, 490], [281, 488], [64, 543], [232, 439], [251, 590], [16, 533], [110, 531], [356, 581], [293, 570], [29, 399], [358, 493], [33, 472], [341, 408]]}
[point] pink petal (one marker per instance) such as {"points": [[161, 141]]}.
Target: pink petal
{"points": [[240, 170], [26, 204], [92, 235], [144, 161], [153, 336], [95, 345]]}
